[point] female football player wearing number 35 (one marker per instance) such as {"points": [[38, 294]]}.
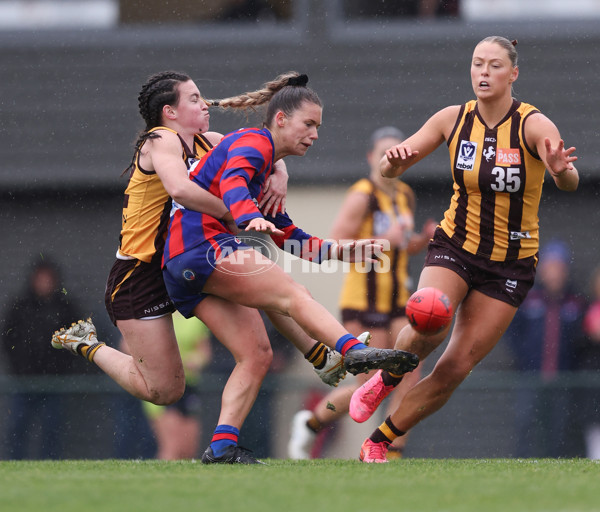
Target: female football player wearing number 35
{"points": [[484, 253]]}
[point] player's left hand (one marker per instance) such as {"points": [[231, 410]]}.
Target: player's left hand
{"points": [[559, 159], [359, 250], [262, 225]]}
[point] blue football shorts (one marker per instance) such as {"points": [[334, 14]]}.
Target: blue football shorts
{"points": [[185, 275]]}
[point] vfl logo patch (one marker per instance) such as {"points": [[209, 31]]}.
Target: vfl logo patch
{"points": [[511, 284], [466, 155], [508, 156], [381, 223]]}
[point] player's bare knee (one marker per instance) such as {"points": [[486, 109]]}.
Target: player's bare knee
{"points": [[450, 373], [263, 359], [167, 396]]}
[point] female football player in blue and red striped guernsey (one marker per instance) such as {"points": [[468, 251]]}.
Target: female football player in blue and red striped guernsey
{"points": [[203, 258]]}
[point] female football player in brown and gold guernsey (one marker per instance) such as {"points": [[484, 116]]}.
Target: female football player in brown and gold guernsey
{"points": [[176, 135], [484, 254]]}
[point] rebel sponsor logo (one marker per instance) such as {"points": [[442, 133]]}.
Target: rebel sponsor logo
{"points": [[508, 156], [466, 155]]}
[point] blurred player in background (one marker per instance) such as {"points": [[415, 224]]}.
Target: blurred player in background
{"points": [[484, 254], [383, 209]]}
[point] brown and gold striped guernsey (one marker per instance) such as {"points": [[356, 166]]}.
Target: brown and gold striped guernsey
{"points": [[497, 185], [380, 292], [147, 205]]}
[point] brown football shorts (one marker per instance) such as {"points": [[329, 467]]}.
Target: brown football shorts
{"points": [[135, 289], [508, 281]]}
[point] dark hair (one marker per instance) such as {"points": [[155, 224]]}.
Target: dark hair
{"points": [[159, 90], [288, 100], [509, 46], [279, 94]]}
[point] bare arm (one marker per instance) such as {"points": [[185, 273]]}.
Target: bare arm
{"points": [[418, 241], [275, 190], [213, 137], [352, 214], [350, 217], [437, 128], [164, 157], [543, 134]]}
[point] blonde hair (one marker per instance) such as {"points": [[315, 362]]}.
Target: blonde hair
{"points": [[286, 93], [509, 46]]}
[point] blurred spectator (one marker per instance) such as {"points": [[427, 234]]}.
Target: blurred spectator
{"points": [[399, 8], [439, 8], [34, 314], [247, 10], [588, 359], [543, 337], [177, 427], [187, 11]]}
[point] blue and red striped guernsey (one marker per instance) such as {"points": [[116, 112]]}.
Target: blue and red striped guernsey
{"points": [[235, 170]]}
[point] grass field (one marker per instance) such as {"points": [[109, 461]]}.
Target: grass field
{"points": [[308, 486]]}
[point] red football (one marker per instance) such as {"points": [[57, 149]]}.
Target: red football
{"points": [[429, 310]]}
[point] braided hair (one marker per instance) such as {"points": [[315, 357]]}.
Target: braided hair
{"points": [[286, 93], [159, 90]]}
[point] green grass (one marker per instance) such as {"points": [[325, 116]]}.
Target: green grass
{"points": [[308, 486]]}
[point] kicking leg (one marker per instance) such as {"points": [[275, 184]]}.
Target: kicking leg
{"points": [[327, 363], [256, 282]]}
